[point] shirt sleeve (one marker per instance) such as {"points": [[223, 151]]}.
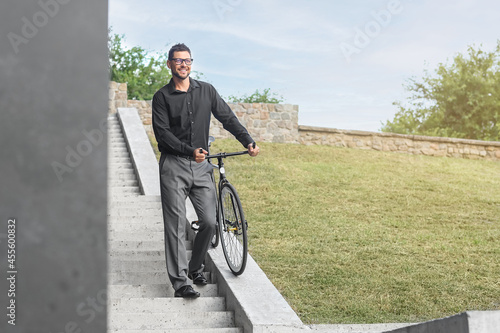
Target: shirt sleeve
{"points": [[162, 131], [223, 113]]}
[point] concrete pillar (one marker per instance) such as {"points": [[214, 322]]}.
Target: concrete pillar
{"points": [[53, 172]]}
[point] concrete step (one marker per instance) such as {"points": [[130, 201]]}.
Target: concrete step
{"points": [[117, 169], [138, 198], [127, 191], [114, 162], [190, 330], [122, 148], [118, 219], [136, 211], [116, 141], [143, 204], [131, 255], [122, 182], [180, 320], [122, 190], [119, 153], [155, 226], [115, 134], [164, 304], [117, 144], [142, 277], [120, 265], [123, 196], [155, 290], [118, 160], [120, 245], [121, 174], [120, 168], [115, 158], [121, 223], [154, 236]]}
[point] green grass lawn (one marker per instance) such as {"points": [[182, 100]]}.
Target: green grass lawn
{"points": [[352, 236]]}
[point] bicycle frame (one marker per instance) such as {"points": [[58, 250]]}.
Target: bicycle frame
{"points": [[222, 172]]}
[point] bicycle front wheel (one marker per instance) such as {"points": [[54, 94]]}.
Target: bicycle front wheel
{"points": [[233, 229]]}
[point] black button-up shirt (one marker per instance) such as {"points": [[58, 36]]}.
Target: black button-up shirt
{"points": [[181, 120]]}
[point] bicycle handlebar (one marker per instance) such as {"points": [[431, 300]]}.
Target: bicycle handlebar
{"points": [[224, 155]]}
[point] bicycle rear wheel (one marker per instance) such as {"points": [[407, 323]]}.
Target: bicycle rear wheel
{"points": [[233, 229]]}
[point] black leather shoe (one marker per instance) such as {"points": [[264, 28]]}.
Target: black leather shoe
{"points": [[198, 278], [186, 292]]}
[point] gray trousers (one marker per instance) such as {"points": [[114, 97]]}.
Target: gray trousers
{"points": [[181, 178]]}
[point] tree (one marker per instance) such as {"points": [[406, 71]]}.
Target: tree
{"points": [[144, 74], [462, 100], [258, 97]]}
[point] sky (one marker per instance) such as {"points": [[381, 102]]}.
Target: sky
{"points": [[343, 63]]}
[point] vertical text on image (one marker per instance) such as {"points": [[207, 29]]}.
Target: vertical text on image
{"points": [[11, 270]]}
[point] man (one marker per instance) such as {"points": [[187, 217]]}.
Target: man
{"points": [[181, 121]]}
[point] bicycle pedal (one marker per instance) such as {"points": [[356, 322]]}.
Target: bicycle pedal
{"points": [[195, 226]]}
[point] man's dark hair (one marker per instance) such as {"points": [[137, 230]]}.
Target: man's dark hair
{"points": [[178, 48]]}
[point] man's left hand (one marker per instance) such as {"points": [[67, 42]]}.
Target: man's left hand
{"points": [[253, 151]]}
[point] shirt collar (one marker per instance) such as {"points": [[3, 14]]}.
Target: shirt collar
{"points": [[192, 85]]}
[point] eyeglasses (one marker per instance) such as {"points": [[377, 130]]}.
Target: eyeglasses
{"points": [[179, 61]]}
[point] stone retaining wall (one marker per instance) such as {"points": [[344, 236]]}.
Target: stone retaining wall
{"points": [[400, 143], [265, 122], [279, 123], [117, 96]]}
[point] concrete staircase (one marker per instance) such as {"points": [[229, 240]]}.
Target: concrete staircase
{"points": [[140, 297]]}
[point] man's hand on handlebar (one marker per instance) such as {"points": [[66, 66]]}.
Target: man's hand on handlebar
{"points": [[253, 149], [199, 155]]}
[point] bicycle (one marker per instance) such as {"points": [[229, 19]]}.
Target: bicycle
{"points": [[231, 223]]}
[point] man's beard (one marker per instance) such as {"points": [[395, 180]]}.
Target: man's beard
{"points": [[174, 73]]}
